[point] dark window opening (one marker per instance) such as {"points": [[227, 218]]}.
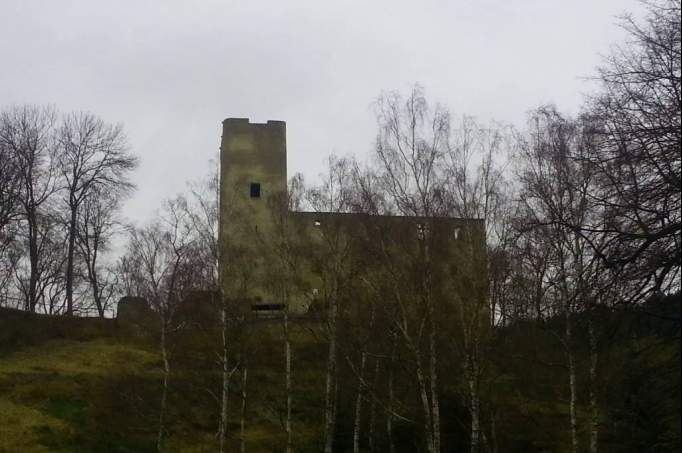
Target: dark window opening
{"points": [[255, 190], [267, 307]]}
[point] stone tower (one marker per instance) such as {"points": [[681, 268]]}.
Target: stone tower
{"points": [[253, 170]]}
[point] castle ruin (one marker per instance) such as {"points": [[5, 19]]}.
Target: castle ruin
{"points": [[254, 215]]}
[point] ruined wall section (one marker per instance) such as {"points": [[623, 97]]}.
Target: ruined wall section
{"points": [[455, 246]]}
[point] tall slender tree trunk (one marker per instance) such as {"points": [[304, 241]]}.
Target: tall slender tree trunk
{"points": [[225, 378], [426, 404], [572, 382], [242, 417], [358, 404], [391, 398], [357, 425], [91, 266], [373, 409], [164, 389], [433, 352], [433, 369], [287, 354], [330, 389], [33, 261], [472, 380], [97, 295], [594, 408], [69, 259]]}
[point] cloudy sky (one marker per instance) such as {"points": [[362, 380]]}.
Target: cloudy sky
{"points": [[170, 71]]}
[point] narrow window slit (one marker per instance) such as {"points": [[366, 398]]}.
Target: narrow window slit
{"points": [[255, 190]]}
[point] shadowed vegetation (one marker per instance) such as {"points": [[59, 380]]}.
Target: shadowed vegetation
{"points": [[85, 385]]}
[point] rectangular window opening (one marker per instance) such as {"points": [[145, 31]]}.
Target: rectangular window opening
{"points": [[267, 307], [255, 190]]}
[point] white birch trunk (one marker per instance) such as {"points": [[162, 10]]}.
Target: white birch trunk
{"points": [[475, 413], [572, 383], [472, 374], [594, 408], [287, 353], [389, 415], [433, 368], [330, 389], [426, 405], [164, 390], [358, 405], [242, 416], [225, 381], [372, 409]]}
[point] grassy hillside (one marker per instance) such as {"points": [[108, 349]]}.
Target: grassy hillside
{"points": [[70, 385], [87, 385]]}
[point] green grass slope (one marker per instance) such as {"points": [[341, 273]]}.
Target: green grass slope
{"points": [[89, 385]]}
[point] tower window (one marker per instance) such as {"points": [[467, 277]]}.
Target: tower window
{"points": [[255, 190]]}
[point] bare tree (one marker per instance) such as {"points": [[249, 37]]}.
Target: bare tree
{"points": [[557, 186], [285, 280], [475, 188], [9, 212], [27, 133], [46, 273], [332, 263], [234, 273], [219, 272], [410, 146], [164, 255], [9, 187], [95, 225], [92, 158], [637, 114]]}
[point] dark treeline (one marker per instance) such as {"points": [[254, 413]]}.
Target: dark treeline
{"points": [[561, 335]]}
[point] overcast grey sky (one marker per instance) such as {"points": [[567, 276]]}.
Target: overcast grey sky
{"points": [[171, 71]]}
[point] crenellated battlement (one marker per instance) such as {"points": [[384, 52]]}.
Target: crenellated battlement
{"points": [[248, 121], [240, 134]]}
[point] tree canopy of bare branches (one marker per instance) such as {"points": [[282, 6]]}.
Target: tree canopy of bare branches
{"points": [[637, 112], [92, 158]]}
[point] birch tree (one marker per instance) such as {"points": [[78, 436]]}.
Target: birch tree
{"points": [[286, 283], [203, 211], [409, 147], [163, 253], [557, 186], [332, 263], [475, 188]]}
